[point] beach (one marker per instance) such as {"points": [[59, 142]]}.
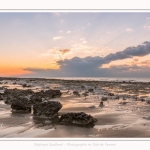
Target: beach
{"points": [[123, 113]]}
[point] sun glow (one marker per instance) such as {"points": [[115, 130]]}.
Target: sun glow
{"points": [[12, 71]]}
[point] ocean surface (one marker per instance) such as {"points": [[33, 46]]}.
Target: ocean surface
{"points": [[103, 79]]}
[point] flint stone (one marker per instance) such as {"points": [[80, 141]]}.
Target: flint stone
{"points": [[21, 104], [104, 98], [80, 118], [46, 110]]}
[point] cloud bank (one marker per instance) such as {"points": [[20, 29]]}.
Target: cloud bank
{"points": [[91, 66]]}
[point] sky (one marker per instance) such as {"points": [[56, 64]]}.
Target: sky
{"points": [[75, 44]]}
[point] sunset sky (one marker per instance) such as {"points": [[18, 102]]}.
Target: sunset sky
{"points": [[92, 44]]}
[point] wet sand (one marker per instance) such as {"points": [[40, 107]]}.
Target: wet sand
{"points": [[127, 117]]}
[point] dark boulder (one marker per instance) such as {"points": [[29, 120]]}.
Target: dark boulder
{"points": [[48, 110], [12, 94], [21, 104], [80, 118]]}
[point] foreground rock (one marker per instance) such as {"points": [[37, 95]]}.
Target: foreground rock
{"points": [[11, 95], [47, 110], [80, 118], [37, 97], [21, 104]]}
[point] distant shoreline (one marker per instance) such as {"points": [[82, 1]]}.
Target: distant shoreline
{"points": [[76, 79]]}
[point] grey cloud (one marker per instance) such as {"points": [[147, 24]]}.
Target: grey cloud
{"points": [[91, 66], [140, 50]]}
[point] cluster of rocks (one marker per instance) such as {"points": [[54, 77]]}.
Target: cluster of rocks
{"points": [[11, 95], [44, 95]]}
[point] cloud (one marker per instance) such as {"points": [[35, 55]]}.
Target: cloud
{"points": [[83, 41], [64, 51], [135, 60], [129, 30], [140, 50], [68, 32], [147, 27], [92, 66], [57, 37]]}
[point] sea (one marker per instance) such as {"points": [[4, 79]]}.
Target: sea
{"points": [[120, 79]]}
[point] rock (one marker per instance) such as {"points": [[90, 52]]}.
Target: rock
{"points": [[25, 85], [48, 94], [35, 99], [85, 94], [123, 103], [1, 97], [79, 118], [101, 104], [92, 106], [104, 98], [117, 97], [124, 98], [111, 94], [46, 110], [83, 87], [21, 104], [12, 94], [148, 101], [142, 100], [76, 93], [90, 90]]}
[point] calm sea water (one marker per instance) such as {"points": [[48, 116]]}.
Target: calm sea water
{"points": [[104, 79]]}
